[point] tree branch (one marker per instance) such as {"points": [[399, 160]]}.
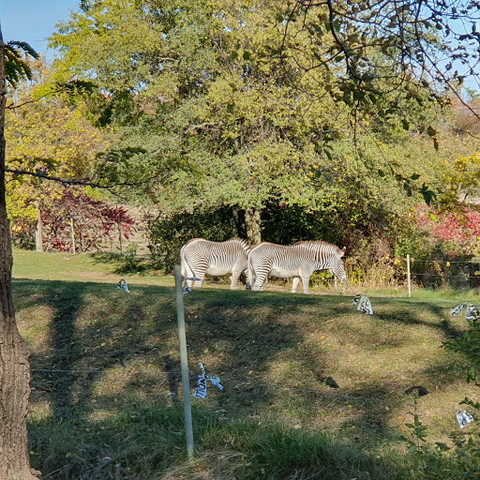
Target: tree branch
{"points": [[83, 183]]}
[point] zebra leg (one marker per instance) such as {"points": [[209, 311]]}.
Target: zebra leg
{"points": [[306, 284], [199, 278], [250, 272], [186, 274], [305, 272], [260, 280], [306, 287], [236, 272], [295, 282], [249, 278], [260, 273]]}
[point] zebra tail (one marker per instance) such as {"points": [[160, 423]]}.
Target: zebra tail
{"points": [[250, 274]]}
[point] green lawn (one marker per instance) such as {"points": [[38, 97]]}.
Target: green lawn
{"points": [[313, 388], [77, 268]]}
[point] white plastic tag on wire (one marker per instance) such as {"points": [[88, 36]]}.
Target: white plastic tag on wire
{"points": [[471, 312], [186, 288], [464, 418], [122, 285], [201, 391], [457, 310], [363, 304]]}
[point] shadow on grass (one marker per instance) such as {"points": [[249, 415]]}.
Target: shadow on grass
{"points": [[124, 263], [132, 339], [148, 442]]}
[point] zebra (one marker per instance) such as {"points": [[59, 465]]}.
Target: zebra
{"points": [[299, 261], [199, 257]]}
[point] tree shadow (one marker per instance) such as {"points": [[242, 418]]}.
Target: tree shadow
{"points": [[53, 371], [239, 336]]}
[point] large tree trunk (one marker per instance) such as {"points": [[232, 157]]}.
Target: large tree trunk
{"points": [[14, 369], [253, 226]]}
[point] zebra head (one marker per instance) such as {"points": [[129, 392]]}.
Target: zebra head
{"points": [[327, 256], [337, 266]]}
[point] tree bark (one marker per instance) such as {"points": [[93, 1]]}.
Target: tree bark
{"points": [[14, 368], [253, 226]]}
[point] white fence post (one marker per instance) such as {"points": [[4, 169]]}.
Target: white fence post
{"points": [[409, 276], [187, 404], [72, 236], [120, 237]]}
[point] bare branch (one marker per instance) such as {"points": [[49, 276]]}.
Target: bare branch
{"points": [[83, 183]]}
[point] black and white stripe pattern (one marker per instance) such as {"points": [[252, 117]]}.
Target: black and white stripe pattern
{"points": [[200, 257], [298, 261]]}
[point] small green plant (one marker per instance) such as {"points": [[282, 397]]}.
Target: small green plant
{"points": [[416, 439], [130, 262], [468, 345]]}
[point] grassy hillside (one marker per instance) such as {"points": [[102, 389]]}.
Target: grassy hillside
{"points": [[313, 388]]}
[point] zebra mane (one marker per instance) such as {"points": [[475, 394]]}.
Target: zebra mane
{"points": [[242, 242], [314, 245]]}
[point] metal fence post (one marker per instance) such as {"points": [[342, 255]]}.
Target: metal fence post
{"points": [[187, 404]]}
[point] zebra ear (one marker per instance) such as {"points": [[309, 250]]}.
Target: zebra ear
{"points": [[344, 249]]}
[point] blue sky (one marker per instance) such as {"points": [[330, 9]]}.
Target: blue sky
{"points": [[32, 21]]}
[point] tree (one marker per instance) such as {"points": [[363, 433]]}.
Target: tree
{"points": [[222, 108], [77, 223], [14, 367], [433, 41], [48, 135], [271, 106]]}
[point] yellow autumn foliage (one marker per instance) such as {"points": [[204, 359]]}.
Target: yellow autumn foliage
{"points": [[49, 137]]}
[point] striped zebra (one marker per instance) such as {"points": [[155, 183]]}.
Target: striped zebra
{"points": [[199, 257], [299, 261]]}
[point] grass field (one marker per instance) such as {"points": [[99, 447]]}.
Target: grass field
{"points": [[314, 389]]}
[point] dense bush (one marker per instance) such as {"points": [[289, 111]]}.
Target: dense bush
{"points": [[289, 224], [377, 245], [167, 233], [442, 246]]}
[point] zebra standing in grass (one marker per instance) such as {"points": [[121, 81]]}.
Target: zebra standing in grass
{"points": [[199, 257], [298, 261]]}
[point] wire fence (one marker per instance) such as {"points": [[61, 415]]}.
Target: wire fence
{"points": [[168, 380], [237, 389], [413, 272], [443, 273]]}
